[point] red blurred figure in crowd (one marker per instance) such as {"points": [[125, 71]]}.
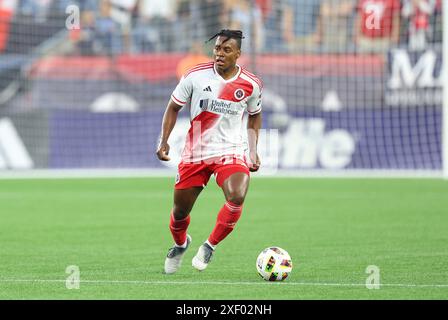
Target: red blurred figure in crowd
{"points": [[418, 12]]}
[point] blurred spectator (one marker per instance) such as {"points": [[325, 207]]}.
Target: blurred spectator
{"points": [[188, 27], [108, 36], [154, 28], [418, 13], [85, 5], [335, 25], [214, 15], [103, 26], [274, 25], [300, 20], [436, 23], [249, 20], [7, 11], [37, 9], [193, 58], [84, 38], [377, 26], [38, 20], [265, 7], [122, 12]]}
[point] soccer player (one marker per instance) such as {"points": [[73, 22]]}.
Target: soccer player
{"points": [[219, 93]]}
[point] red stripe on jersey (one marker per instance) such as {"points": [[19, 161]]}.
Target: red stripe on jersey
{"points": [[232, 90], [201, 66], [204, 64], [253, 77], [254, 112], [207, 120], [195, 70], [177, 100], [199, 126]]}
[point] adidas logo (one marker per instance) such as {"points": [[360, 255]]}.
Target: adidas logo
{"points": [[208, 89]]}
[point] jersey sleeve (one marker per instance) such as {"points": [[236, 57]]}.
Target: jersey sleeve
{"points": [[182, 93], [254, 102]]}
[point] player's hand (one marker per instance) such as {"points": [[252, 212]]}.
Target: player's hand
{"points": [[254, 162], [162, 151]]}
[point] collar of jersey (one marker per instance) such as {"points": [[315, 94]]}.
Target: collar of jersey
{"points": [[231, 79]]}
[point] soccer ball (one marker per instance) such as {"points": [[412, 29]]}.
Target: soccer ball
{"points": [[274, 264]]}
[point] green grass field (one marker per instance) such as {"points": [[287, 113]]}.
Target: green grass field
{"points": [[116, 232]]}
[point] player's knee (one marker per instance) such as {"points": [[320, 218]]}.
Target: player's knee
{"points": [[180, 213], [236, 198]]}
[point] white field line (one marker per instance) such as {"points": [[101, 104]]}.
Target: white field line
{"points": [[230, 283]]}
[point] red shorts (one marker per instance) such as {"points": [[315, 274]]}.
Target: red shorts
{"points": [[197, 174]]}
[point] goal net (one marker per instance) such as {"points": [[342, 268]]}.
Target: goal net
{"points": [[348, 85]]}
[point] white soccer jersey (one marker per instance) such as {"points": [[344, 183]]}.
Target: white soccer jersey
{"points": [[216, 111]]}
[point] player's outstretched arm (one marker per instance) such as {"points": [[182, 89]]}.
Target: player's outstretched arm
{"points": [[253, 129], [168, 122]]}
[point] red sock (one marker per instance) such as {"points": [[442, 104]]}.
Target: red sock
{"points": [[227, 218], [179, 229]]}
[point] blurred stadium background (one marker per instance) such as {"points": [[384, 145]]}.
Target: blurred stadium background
{"points": [[349, 85]]}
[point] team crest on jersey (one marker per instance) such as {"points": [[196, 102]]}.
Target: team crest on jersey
{"points": [[239, 94], [203, 104]]}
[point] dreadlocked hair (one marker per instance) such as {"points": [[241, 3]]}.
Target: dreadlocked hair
{"points": [[229, 34]]}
